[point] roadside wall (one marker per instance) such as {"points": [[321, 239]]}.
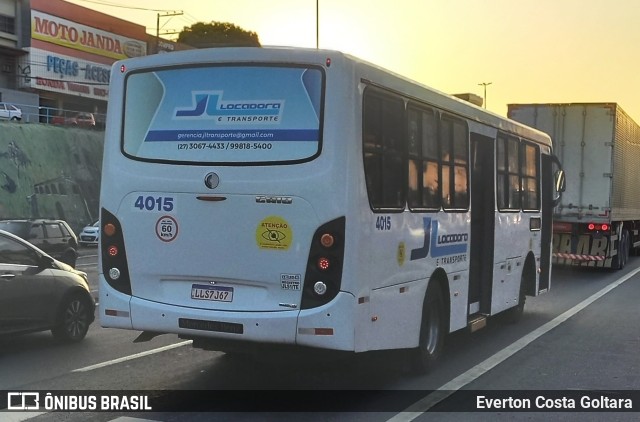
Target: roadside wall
{"points": [[50, 172]]}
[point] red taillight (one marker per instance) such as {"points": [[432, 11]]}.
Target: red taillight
{"points": [[323, 263], [112, 250], [598, 227]]}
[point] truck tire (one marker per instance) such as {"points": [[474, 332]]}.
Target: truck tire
{"points": [[432, 331], [620, 260]]}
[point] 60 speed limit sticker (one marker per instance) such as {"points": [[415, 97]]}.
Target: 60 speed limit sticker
{"points": [[167, 228]]}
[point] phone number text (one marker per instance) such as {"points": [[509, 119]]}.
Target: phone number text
{"points": [[226, 145]]}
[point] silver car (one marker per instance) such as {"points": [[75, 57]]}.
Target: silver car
{"points": [[39, 293], [10, 112]]}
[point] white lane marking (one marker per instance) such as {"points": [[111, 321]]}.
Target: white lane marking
{"points": [[421, 406], [131, 357]]}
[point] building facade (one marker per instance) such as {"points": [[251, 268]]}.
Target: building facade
{"points": [[56, 57]]}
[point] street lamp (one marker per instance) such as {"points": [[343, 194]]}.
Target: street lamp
{"points": [[485, 84]]}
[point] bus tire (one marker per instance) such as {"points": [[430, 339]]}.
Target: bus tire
{"points": [[432, 331], [620, 260]]}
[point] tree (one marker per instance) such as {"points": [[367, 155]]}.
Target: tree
{"points": [[217, 34]]}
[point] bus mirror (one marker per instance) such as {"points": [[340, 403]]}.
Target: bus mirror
{"points": [[561, 183]]}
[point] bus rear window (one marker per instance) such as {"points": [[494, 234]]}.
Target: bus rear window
{"points": [[224, 114]]}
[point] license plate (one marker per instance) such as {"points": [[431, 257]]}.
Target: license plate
{"points": [[214, 293]]}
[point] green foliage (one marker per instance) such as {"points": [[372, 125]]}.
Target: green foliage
{"points": [[217, 34]]}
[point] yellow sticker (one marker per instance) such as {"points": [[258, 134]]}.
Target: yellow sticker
{"points": [[274, 233], [401, 253]]}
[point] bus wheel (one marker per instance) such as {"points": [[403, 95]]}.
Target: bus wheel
{"points": [[620, 260], [431, 331]]}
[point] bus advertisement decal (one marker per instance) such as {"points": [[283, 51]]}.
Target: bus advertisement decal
{"points": [[274, 233], [439, 245], [250, 114]]}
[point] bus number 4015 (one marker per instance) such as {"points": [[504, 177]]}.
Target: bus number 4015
{"points": [[150, 203]]}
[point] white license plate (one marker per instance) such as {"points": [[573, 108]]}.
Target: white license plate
{"points": [[214, 293]]}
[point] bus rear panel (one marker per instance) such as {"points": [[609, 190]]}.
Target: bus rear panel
{"points": [[214, 234]]}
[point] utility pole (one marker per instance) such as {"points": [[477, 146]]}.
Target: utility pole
{"points": [[317, 24], [165, 15], [485, 84]]}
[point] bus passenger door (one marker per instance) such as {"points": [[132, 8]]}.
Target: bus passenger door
{"points": [[482, 224]]}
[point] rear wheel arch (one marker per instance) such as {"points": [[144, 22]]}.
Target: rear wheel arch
{"points": [[527, 288]]}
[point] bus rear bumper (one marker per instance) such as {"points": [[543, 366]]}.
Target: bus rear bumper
{"points": [[326, 327]]}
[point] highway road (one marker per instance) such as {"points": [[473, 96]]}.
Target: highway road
{"points": [[583, 335]]}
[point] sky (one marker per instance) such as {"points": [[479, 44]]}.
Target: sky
{"points": [[529, 51]]}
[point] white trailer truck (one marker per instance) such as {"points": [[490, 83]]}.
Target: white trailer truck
{"points": [[597, 221]]}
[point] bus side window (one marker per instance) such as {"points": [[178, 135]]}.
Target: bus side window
{"points": [[454, 143], [383, 146], [530, 177], [423, 162], [508, 174]]}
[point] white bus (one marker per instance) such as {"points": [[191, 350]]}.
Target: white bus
{"points": [[287, 197]]}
